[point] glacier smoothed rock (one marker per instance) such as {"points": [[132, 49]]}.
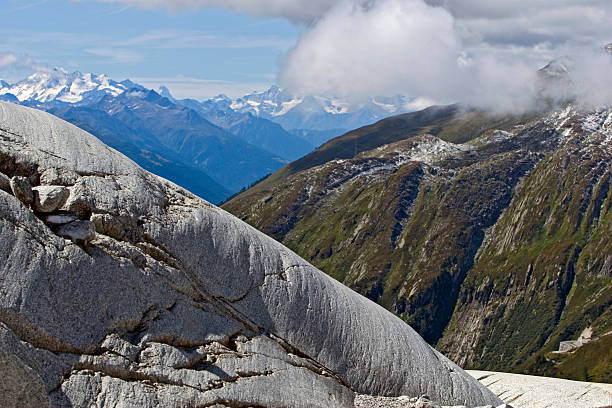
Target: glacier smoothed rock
{"points": [[527, 391], [177, 303]]}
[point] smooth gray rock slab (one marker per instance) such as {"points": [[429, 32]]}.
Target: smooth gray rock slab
{"points": [[526, 391], [22, 189], [79, 232], [49, 198], [177, 303]]}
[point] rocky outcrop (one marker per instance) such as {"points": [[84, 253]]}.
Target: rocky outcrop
{"points": [[173, 302]]}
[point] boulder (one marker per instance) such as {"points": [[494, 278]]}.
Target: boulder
{"points": [[58, 176], [60, 218], [49, 198], [182, 304], [79, 232], [22, 189]]}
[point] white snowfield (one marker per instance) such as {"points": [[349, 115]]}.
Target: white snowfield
{"points": [[158, 299], [526, 391]]}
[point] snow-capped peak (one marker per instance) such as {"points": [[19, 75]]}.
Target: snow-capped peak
{"points": [[277, 102], [58, 85], [165, 92]]}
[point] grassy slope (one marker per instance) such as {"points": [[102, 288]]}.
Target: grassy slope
{"points": [[450, 123], [539, 280], [408, 240]]}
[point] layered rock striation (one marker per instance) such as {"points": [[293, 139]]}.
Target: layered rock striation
{"points": [[118, 288]]}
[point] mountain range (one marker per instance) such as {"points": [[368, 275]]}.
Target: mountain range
{"points": [[213, 147]]}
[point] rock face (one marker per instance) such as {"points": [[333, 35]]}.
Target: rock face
{"points": [[488, 234], [176, 303], [20, 386]]}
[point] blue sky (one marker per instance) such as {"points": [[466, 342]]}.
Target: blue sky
{"points": [[195, 52]]}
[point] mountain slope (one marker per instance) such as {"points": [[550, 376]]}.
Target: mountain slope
{"points": [[271, 137], [419, 213], [230, 161], [450, 123], [255, 130], [147, 153], [121, 289], [548, 261]]}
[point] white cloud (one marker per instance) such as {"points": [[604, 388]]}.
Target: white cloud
{"points": [[185, 39], [9, 60], [186, 87], [484, 56], [116, 55], [392, 46], [300, 11]]}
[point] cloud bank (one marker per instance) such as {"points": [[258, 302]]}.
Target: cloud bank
{"points": [[481, 52], [486, 54]]}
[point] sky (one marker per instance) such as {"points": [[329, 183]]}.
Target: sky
{"points": [[480, 52], [196, 52]]}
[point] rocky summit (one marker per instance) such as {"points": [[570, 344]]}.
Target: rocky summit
{"points": [[118, 288]]}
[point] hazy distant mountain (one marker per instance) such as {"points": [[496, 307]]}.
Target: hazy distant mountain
{"points": [[258, 131], [316, 112], [176, 129], [144, 150], [233, 142]]}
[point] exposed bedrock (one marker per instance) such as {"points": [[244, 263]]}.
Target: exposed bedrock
{"points": [[173, 302]]}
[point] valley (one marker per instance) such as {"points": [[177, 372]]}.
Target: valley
{"points": [[461, 223]]}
